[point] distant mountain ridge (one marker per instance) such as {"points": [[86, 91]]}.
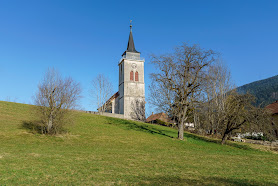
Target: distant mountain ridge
{"points": [[266, 90]]}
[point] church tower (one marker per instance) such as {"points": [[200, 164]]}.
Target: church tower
{"points": [[131, 101]]}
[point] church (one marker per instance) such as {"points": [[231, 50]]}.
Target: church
{"points": [[130, 99]]}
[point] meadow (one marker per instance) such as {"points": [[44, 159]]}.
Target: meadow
{"points": [[108, 151]]}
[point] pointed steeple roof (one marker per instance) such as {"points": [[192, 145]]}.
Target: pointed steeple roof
{"points": [[130, 44]]}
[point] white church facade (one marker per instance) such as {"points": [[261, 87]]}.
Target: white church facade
{"points": [[130, 99]]}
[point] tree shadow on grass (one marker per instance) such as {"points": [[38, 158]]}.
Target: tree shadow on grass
{"points": [[218, 141], [176, 180], [37, 127], [32, 126], [131, 125]]}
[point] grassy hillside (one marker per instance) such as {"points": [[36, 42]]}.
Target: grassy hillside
{"points": [[266, 90], [105, 151]]}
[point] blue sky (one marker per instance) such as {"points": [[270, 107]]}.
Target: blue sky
{"points": [[84, 38]]}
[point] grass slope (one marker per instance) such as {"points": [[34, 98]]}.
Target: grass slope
{"points": [[105, 151]]}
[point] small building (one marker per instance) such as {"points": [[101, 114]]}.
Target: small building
{"points": [[273, 108], [163, 119], [160, 116]]}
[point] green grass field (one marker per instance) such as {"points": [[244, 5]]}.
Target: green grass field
{"points": [[106, 151]]}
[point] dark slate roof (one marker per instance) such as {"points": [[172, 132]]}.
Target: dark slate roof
{"points": [[130, 44], [273, 107]]}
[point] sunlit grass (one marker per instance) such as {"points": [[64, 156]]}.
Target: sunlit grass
{"points": [[105, 151]]}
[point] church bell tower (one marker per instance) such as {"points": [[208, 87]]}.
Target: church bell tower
{"points": [[131, 82]]}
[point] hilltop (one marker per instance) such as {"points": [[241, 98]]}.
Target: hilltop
{"points": [[105, 151], [266, 90]]}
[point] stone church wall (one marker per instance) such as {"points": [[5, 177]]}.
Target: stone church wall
{"points": [[121, 116]]}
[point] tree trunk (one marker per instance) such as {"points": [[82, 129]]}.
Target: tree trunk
{"points": [[50, 123], [181, 131], [224, 138]]}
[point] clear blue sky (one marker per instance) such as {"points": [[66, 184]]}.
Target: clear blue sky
{"points": [[84, 38]]}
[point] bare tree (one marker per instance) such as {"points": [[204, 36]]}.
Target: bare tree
{"points": [[178, 80], [101, 92], [55, 97], [224, 111], [262, 122], [239, 112], [235, 113], [215, 90]]}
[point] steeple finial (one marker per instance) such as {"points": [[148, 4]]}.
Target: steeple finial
{"points": [[130, 26]]}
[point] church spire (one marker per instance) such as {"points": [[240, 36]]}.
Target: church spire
{"points": [[130, 44]]}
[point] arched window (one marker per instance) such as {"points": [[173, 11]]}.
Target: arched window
{"points": [[131, 76], [136, 76]]}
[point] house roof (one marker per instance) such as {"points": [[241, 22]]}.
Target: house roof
{"points": [[113, 97], [273, 107], [156, 116]]}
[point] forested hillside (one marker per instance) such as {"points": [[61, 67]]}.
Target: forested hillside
{"points": [[266, 90]]}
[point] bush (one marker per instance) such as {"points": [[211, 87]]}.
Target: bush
{"points": [[258, 137], [55, 97], [163, 123]]}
